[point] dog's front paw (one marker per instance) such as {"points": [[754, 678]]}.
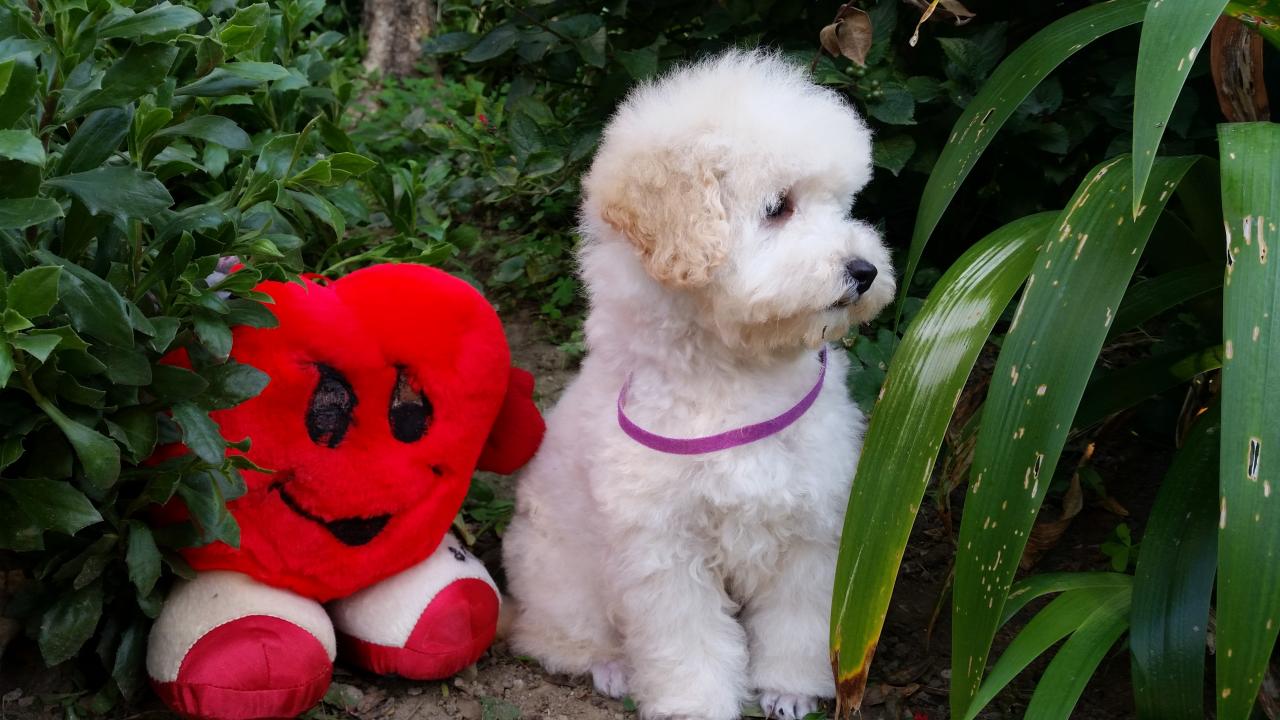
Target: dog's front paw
{"points": [[610, 679], [785, 706]]}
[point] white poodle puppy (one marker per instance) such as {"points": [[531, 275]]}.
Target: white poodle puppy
{"points": [[676, 534]]}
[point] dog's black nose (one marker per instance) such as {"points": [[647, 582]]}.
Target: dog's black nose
{"points": [[861, 274]]}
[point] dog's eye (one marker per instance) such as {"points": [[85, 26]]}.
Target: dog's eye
{"points": [[780, 208]]}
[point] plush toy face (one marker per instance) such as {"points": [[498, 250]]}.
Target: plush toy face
{"points": [[384, 387]]}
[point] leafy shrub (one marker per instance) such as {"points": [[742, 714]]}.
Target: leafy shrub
{"points": [[139, 147]]}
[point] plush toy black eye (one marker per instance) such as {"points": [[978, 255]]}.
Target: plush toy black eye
{"points": [[780, 208], [329, 412], [410, 410]]}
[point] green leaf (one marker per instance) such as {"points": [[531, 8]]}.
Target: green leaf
{"points": [[99, 456], [121, 191], [1249, 523], [450, 42], [96, 140], [592, 48], [233, 78], [996, 102], [202, 493], [53, 504], [1116, 390], [497, 42], [897, 107], [6, 362], [21, 213], [1044, 364], [199, 432], [213, 128], [94, 306], [157, 20], [925, 378], [69, 622], [1150, 298], [640, 64], [175, 384], [136, 429], [22, 146], [141, 69], [1173, 583], [1063, 681], [893, 152], [1057, 620], [246, 29], [18, 96], [37, 346], [34, 292], [1172, 33], [130, 659], [126, 365], [232, 383], [543, 162], [143, 558]]}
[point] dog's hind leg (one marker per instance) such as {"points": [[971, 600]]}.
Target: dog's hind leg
{"points": [[787, 622], [553, 577]]}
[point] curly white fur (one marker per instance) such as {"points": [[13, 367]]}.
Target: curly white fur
{"points": [[707, 578]]}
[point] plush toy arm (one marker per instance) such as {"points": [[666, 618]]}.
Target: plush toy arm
{"points": [[518, 430]]}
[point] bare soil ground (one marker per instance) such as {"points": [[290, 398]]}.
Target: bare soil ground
{"points": [[909, 676]]}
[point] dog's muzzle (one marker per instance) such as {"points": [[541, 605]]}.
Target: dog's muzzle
{"points": [[860, 274]]}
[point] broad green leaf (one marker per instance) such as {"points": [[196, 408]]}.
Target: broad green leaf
{"points": [[37, 346], [199, 432], [1172, 34], [1249, 518], [97, 139], [143, 558], [497, 42], [69, 622], [999, 97], [18, 96], [1117, 390], [118, 190], [212, 128], [54, 504], [22, 146], [203, 494], [1037, 586], [923, 384], [6, 362], [246, 29], [94, 306], [446, 43], [141, 69], [34, 292], [233, 78], [21, 213], [175, 384], [1057, 620], [1045, 361], [232, 383], [98, 454], [156, 20], [130, 659], [1063, 681], [1150, 298], [1173, 583]]}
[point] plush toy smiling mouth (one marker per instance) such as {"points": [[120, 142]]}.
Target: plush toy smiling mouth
{"points": [[352, 531]]}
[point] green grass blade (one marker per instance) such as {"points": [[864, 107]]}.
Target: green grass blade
{"points": [[1037, 586], [1079, 278], [924, 380], [1159, 294], [1174, 581], [1063, 681], [1172, 33], [1121, 389], [1249, 523], [1007, 87], [1057, 620]]}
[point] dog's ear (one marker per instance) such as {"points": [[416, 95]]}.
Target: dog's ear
{"points": [[668, 205]]}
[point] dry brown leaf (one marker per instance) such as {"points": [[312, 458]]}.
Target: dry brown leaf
{"points": [[849, 35], [952, 10], [1046, 534], [880, 693]]}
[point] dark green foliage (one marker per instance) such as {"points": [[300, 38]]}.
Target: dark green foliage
{"points": [[137, 148]]}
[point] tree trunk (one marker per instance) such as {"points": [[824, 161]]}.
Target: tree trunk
{"points": [[395, 30]]}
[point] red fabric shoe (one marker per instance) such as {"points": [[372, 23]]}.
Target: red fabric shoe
{"points": [[250, 668], [452, 633]]}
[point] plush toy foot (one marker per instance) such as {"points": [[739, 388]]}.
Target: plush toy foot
{"points": [[426, 623], [223, 649], [254, 667]]}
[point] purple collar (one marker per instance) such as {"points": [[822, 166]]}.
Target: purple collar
{"points": [[720, 441]]}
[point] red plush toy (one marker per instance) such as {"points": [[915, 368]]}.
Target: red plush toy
{"points": [[387, 389]]}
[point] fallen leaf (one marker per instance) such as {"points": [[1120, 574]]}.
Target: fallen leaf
{"points": [[952, 10], [849, 35]]}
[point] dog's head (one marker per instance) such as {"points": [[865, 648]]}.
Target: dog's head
{"points": [[734, 181]]}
